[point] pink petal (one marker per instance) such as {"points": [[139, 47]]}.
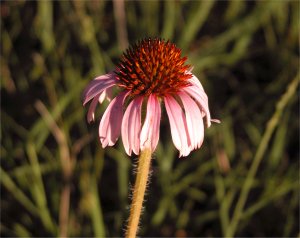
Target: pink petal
{"points": [[106, 94], [201, 98], [110, 125], [194, 120], [109, 94], [194, 87], [215, 120], [95, 81], [194, 80], [92, 108], [98, 98], [178, 126], [131, 126], [97, 86], [102, 96], [150, 131], [197, 87]]}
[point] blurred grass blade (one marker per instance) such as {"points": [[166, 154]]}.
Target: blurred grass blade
{"points": [[195, 21], [161, 212], [9, 184], [21, 231], [17, 128], [26, 170], [233, 10], [96, 210], [271, 126], [39, 132], [169, 20], [243, 27], [277, 150], [45, 24], [123, 176], [120, 18], [87, 34], [149, 10], [275, 194], [38, 189], [229, 138]]}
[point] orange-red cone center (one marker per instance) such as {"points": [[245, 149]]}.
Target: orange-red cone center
{"points": [[153, 66]]}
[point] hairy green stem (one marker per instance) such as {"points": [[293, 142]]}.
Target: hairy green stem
{"points": [[139, 192]]}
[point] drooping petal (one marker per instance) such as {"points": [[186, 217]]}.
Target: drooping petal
{"points": [[194, 120], [109, 94], [97, 86], [196, 81], [201, 98], [199, 90], [215, 120], [102, 96], [96, 80], [106, 94], [110, 125], [131, 126], [98, 98], [178, 126], [92, 108], [150, 130]]}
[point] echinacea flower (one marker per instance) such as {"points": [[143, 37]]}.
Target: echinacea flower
{"points": [[149, 74]]}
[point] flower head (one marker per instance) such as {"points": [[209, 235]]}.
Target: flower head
{"points": [[150, 73]]}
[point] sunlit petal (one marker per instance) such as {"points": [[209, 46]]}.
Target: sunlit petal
{"points": [[150, 131], [110, 125], [131, 126], [178, 126]]}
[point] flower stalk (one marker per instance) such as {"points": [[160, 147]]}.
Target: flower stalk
{"points": [[141, 181]]}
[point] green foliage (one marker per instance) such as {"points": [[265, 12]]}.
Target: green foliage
{"points": [[55, 177]]}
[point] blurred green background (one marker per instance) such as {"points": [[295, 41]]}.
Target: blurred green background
{"points": [[57, 180]]}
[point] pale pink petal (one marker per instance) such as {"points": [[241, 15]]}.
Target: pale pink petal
{"points": [[201, 94], [109, 94], [99, 88], [150, 131], [110, 125], [131, 126], [92, 108], [196, 81], [194, 120], [98, 85], [106, 94], [199, 89], [197, 86], [201, 98], [97, 80], [102, 96], [178, 126], [215, 120], [98, 98], [189, 71]]}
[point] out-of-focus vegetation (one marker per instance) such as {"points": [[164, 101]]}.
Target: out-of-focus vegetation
{"points": [[57, 180]]}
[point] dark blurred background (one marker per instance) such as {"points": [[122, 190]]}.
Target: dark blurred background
{"points": [[56, 179]]}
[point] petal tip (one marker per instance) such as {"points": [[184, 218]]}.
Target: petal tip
{"points": [[215, 121]]}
